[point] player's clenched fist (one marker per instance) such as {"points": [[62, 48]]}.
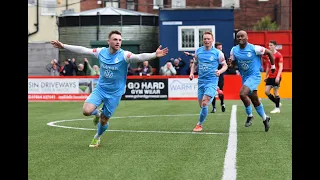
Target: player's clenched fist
{"points": [[191, 76], [218, 73]]}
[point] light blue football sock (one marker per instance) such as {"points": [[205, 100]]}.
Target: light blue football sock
{"points": [[261, 112], [249, 110], [101, 130], [203, 115]]}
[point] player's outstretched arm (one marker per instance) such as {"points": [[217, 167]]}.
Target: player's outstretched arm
{"points": [[135, 58], [189, 54], [72, 48]]}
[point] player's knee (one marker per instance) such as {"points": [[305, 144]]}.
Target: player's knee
{"points": [[267, 92], [204, 103], [204, 106], [242, 94], [88, 108], [86, 111], [104, 120]]}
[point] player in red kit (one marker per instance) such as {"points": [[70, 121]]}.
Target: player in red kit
{"points": [[273, 79]]}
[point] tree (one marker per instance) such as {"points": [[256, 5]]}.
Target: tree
{"points": [[265, 24]]}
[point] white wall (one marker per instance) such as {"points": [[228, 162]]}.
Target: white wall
{"points": [[48, 29]]}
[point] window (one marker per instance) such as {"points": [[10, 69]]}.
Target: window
{"points": [[111, 3], [230, 3], [131, 5], [157, 4], [32, 2], [48, 7], [178, 3], [190, 37]]}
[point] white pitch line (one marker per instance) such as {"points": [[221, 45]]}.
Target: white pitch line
{"points": [[229, 169], [163, 115], [54, 124]]}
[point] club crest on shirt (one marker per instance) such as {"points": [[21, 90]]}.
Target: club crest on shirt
{"points": [[211, 58], [108, 73], [116, 60], [245, 66], [249, 54]]}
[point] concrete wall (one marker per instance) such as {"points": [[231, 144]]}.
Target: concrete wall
{"points": [[40, 51], [39, 55]]}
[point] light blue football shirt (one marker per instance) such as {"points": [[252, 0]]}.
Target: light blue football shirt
{"points": [[113, 71], [248, 59], [208, 62]]}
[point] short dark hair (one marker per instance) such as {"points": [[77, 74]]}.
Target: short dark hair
{"points": [[216, 44], [273, 42], [114, 32]]}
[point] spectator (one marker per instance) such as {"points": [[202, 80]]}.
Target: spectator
{"points": [[93, 71], [130, 71], [168, 69], [195, 67], [74, 71], [81, 70], [68, 68], [145, 69], [178, 64], [54, 68]]}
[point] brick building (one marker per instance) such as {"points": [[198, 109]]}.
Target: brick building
{"points": [[247, 12]]}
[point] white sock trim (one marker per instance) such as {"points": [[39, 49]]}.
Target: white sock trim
{"points": [[98, 113], [96, 137], [264, 117]]}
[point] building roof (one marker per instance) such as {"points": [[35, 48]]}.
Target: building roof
{"points": [[109, 11]]}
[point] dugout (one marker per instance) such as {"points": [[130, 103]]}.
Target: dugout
{"points": [[181, 30], [91, 28]]}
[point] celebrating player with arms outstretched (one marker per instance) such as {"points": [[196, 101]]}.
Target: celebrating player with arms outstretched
{"points": [[114, 63]]}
